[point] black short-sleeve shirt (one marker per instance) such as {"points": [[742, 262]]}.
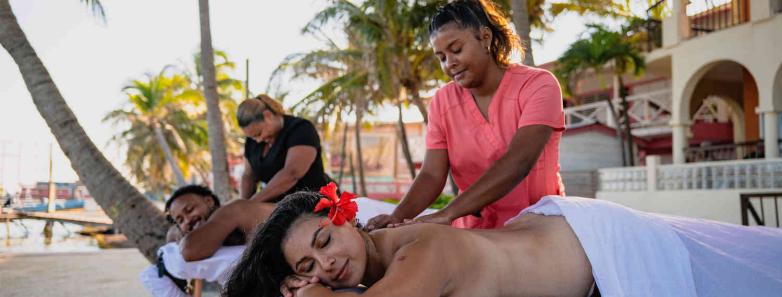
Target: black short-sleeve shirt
{"points": [[295, 131]]}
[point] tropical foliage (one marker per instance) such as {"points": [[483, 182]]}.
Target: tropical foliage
{"points": [[164, 124], [604, 51], [165, 133]]}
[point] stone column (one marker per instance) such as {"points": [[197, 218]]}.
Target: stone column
{"points": [[679, 141], [771, 134], [652, 162]]}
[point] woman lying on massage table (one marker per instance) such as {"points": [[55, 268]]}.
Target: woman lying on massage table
{"points": [[557, 247]]}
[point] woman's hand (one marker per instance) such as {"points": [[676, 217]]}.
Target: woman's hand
{"points": [[293, 283]]}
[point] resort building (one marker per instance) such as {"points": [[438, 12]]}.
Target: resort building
{"points": [[705, 118]]}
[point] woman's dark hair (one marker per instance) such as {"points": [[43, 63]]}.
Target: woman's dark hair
{"points": [[262, 268], [475, 14], [251, 110]]}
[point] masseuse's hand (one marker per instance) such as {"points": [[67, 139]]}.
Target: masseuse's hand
{"points": [[435, 218], [292, 283], [381, 221]]}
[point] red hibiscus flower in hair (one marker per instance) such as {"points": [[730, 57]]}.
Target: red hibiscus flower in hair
{"points": [[340, 210]]}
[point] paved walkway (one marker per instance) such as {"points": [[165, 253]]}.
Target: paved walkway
{"points": [[103, 273]]}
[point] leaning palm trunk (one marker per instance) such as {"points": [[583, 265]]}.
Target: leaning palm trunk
{"points": [[216, 130], [521, 22], [131, 212], [161, 140]]}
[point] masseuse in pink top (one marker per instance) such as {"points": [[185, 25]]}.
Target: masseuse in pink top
{"points": [[496, 126]]}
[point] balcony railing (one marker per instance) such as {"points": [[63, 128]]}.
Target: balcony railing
{"points": [[650, 109], [724, 152], [751, 174], [713, 16]]}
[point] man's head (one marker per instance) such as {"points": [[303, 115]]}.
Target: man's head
{"points": [[190, 206]]}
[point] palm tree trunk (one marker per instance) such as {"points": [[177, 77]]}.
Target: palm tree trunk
{"points": [[142, 222], [161, 140], [521, 21], [216, 131], [626, 113], [419, 103], [618, 128], [343, 154], [405, 143], [352, 173], [359, 157]]}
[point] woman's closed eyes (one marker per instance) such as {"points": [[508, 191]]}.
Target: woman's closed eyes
{"points": [[310, 264]]}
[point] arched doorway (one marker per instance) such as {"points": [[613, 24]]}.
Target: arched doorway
{"points": [[722, 106]]}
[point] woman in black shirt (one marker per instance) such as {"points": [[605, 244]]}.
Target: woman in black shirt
{"points": [[281, 150]]}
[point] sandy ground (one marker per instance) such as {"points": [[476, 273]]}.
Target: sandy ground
{"points": [[103, 273]]}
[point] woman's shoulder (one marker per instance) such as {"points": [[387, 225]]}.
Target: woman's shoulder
{"points": [[399, 237], [529, 72], [294, 121], [297, 124]]}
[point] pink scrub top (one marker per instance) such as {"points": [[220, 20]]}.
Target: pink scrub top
{"points": [[526, 96]]}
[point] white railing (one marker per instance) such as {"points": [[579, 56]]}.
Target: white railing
{"points": [[622, 179], [721, 175], [646, 110], [650, 109], [588, 114]]}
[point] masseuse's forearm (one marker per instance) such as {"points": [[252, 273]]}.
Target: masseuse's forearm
{"points": [[490, 187], [280, 183], [505, 174], [421, 195], [248, 184]]}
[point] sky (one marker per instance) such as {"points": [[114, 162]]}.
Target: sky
{"points": [[90, 61]]}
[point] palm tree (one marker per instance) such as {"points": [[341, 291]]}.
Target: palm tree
{"points": [[221, 180], [603, 49], [350, 84], [142, 222], [228, 88], [528, 14], [399, 60], [160, 125]]}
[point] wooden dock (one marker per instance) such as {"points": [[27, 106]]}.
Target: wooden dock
{"points": [[8, 216], [67, 216]]}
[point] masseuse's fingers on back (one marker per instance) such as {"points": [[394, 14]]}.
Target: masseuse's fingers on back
{"points": [[404, 223], [378, 222]]}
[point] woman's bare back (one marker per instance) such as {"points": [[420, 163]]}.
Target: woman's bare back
{"points": [[533, 256]]}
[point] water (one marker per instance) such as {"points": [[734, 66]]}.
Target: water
{"points": [[30, 236]]}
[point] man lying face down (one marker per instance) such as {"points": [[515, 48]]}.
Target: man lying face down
{"points": [[206, 226]]}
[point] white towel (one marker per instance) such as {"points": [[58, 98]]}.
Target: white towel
{"points": [[633, 253]]}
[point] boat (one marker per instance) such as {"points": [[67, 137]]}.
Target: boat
{"points": [[59, 205]]}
